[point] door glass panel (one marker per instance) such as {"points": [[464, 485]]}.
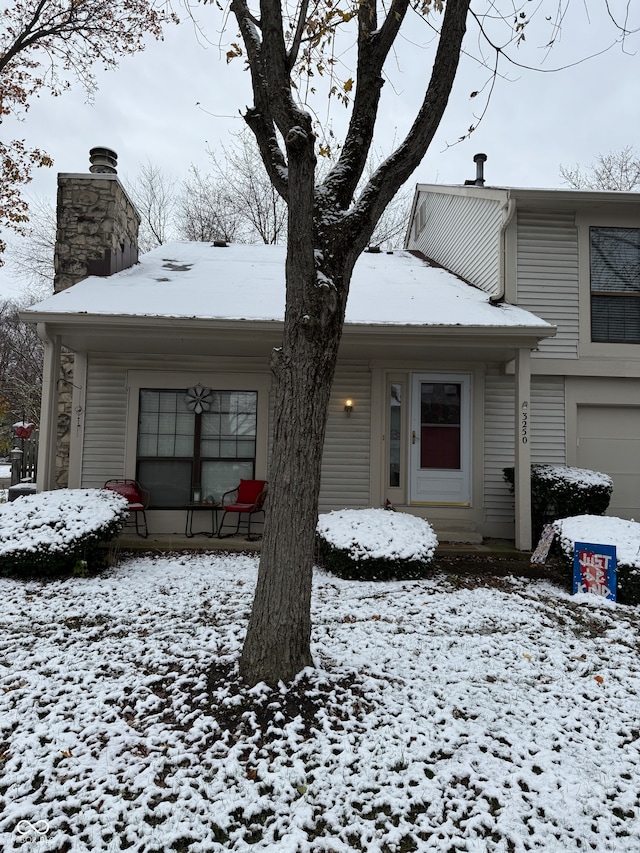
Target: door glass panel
{"points": [[395, 427], [440, 425]]}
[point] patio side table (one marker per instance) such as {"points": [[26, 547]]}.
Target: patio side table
{"points": [[189, 532]]}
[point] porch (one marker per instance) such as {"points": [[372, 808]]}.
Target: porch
{"points": [[165, 543]]}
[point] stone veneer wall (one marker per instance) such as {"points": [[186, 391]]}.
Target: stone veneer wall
{"points": [[97, 234], [97, 224]]}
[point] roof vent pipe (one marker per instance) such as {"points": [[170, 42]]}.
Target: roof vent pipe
{"points": [[480, 160], [103, 161]]}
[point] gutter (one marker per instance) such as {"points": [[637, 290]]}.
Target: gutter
{"points": [[508, 212]]}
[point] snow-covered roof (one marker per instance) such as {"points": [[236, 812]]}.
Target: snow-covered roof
{"points": [[246, 282]]}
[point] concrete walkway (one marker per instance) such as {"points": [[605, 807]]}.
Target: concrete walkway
{"points": [[166, 542], [163, 543]]}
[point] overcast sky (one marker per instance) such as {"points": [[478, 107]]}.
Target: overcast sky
{"points": [[170, 103]]}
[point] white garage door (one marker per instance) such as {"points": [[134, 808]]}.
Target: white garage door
{"points": [[609, 441]]}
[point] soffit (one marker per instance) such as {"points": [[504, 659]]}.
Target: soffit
{"points": [[257, 339]]}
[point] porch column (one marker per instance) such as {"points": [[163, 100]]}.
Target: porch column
{"points": [[46, 478], [522, 462]]}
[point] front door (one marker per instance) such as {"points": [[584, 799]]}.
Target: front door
{"points": [[440, 439]]}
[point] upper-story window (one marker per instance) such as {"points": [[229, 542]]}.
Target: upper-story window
{"points": [[615, 285]]}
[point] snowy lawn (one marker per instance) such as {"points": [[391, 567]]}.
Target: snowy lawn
{"points": [[448, 714]]}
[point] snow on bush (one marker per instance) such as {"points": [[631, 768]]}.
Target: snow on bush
{"points": [[57, 530], [605, 530], [602, 530], [579, 477], [560, 491], [375, 544]]}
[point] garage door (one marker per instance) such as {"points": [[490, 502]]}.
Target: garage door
{"points": [[609, 441]]}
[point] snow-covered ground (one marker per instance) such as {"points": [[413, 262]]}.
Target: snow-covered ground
{"points": [[445, 715]]}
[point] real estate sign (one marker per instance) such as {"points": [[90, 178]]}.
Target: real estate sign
{"points": [[594, 569]]}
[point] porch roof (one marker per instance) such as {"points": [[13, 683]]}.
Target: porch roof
{"points": [[182, 281]]}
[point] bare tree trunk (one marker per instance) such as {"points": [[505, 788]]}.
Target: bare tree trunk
{"points": [[327, 230], [277, 642], [277, 645]]}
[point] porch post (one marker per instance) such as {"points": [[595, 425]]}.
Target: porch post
{"points": [[522, 462], [46, 478]]}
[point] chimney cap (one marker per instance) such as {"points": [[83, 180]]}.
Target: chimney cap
{"points": [[480, 158], [103, 161]]}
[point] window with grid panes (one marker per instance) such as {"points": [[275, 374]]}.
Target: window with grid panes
{"points": [[615, 285], [179, 449]]}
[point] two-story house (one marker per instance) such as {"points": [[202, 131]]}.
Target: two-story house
{"points": [[573, 259], [505, 332]]}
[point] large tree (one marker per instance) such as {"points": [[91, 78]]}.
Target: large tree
{"points": [[331, 220], [44, 45], [327, 231], [617, 170], [153, 192], [238, 172]]}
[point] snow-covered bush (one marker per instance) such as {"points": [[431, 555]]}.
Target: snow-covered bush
{"points": [[599, 530], [58, 531], [375, 544], [558, 491]]}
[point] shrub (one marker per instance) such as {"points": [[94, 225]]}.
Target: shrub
{"points": [[58, 531], [558, 491], [375, 544], [595, 529]]}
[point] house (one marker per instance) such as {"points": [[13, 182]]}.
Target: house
{"points": [[573, 259], [499, 336]]}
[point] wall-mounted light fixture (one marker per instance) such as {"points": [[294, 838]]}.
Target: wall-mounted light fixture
{"points": [[348, 407]]}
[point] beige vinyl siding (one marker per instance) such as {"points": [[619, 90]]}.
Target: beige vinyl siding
{"points": [[548, 285], [105, 428], [105, 424], [461, 233], [346, 459], [345, 467], [547, 436], [548, 428], [498, 448]]}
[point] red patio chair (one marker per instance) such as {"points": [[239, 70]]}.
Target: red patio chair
{"points": [[138, 500], [247, 499]]}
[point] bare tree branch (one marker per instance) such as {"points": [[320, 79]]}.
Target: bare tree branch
{"points": [[44, 45], [154, 194], [617, 170]]}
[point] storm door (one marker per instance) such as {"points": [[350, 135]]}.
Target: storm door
{"points": [[440, 439]]}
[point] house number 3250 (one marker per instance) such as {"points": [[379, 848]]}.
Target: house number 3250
{"points": [[524, 423]]}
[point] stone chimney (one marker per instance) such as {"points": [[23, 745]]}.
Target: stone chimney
{"points": [[97, 224]]}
